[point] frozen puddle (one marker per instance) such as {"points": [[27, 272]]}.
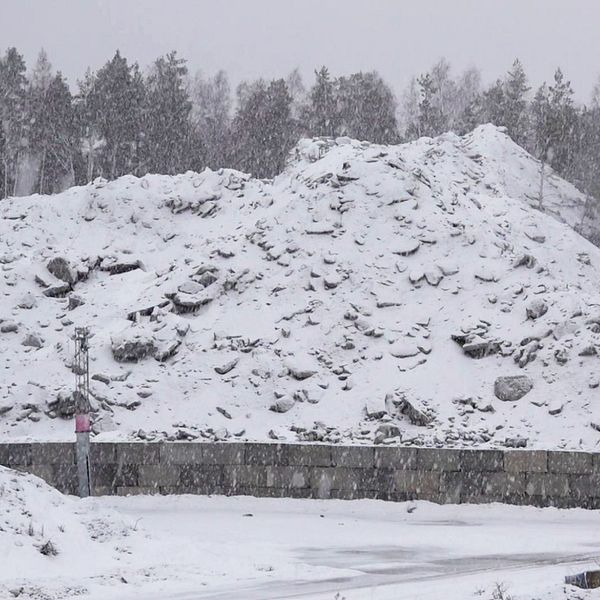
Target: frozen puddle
{"points": [[188, 548]]}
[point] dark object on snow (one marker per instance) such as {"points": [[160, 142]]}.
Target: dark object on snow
{"points": [[512, 388], [48, 549], [587, 580], [61, 269]]}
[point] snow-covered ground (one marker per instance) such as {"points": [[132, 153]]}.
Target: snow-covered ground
{"points": [[347, 301], [200, 548]]}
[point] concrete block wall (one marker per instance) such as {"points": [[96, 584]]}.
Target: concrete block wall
{"points": [[536, 477]]}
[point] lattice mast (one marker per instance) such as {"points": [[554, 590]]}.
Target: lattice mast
{"points": [[81, 367]]}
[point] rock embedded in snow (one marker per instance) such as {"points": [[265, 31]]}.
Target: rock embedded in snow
{"points": [[512, 388], [105, 379], [299, 372], [189, 303], [433, 278], [536, 309], [132, 350], [65, 404], [386, 431], [229, 366], [57, 291], [75, 301], [28, 301], [5, 407], [33, 340], [486, 274], [555, 407], [406, 247], [375, 408], [9, 327], [405, 349], [62, 269], [413, 410], [282, 405], [447, 268]]}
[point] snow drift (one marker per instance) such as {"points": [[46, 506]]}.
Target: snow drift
{"points": [[47, 538], [368, 293]]}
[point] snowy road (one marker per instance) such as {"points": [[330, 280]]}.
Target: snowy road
{"points": [[226, 548]]}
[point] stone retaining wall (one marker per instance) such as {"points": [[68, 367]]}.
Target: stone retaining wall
{"points": [[537, 477]]}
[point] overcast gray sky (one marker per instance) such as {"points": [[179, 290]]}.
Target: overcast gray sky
{"points": [[250, 38]]}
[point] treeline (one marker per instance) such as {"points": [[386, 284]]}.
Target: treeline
{"points": [[121, 120], [547, 122]]}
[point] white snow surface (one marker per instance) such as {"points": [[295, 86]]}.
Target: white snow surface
{"points": [[82, 537], [319, 293], [193, 548]]}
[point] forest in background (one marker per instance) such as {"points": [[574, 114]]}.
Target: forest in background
{"points": [[122, 120]]}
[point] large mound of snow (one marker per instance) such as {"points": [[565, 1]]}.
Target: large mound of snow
{"points": [[47, 538], [367, 293]]}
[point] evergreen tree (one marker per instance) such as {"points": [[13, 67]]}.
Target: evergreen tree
{"points": [[540, 115], [444, 98], [586, 161], [212, 117], [321, 116], [51, 130], [2, 161], [169, 144], [297, 92], [430, 121], [555, 125], [514, 105], [57, 172], [562, 124], [116, 103], [263, 128], [13, 94], [467, 97], [42, 72], [91, 143], [493, 103], [32, 162], [470, 116], [367, 108], [409, 110]]}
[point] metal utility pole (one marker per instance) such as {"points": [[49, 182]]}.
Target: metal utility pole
{"points": [[81, 367]]}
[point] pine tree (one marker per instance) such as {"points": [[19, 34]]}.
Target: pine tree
{"points": [[470, 116], [51, 132], [58, 172], [493, 103], [297, 91], [211, 115], [91, 143], [562, 124], [169, 145], [367, 108], [444, 98], [263, 128], [42, 72], [116, 103], [32, 163], [13, 95], [515, 104], [555, 125], [430, 121], [409, 110], [586, 163], [467, 102], [321, 115], [2, 161]]}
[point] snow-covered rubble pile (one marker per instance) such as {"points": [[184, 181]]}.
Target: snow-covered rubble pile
{"points": [[45, 535], [368, 293]]}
